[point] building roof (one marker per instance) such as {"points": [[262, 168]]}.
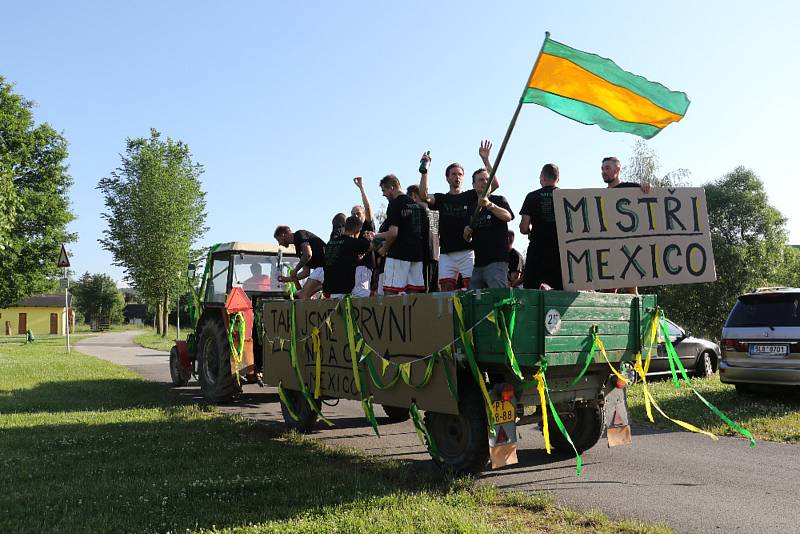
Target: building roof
{"points": [[53, 300]]}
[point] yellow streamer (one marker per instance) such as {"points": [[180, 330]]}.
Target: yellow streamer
{"points": [[405, 372], [603, 352], [653, 330], [543, 400], [315, 342], [466, 337], [384, 365], [642, 373]]}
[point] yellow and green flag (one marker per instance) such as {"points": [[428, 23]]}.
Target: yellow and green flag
{"points": [[593, 90]]}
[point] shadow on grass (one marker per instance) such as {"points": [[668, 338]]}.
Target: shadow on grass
{"points": [[83, 395], [184, 469]]}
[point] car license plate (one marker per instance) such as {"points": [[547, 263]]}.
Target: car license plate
{"points": [[504, 412], [769, 351]]}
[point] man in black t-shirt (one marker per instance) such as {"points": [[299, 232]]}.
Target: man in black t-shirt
{"points": [[342, 255], [312, 258], [489, 236], [430, 261], [516, 265], [403, 241], [543, 261], [610, 169], [366, 266], [455, 208]]}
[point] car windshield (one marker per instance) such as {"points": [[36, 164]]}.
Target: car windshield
{"points": [[259, 272], [773, 309]]}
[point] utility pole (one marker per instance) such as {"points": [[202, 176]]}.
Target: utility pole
{"points": [[63, 261]]}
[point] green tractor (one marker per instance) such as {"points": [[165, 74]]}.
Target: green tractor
{"points": [[224, 347]]}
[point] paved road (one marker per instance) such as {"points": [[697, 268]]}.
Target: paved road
{"points": [[686, 481]]}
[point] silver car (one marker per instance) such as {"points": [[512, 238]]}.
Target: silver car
{"points": [[699, 356], [761, 339]]}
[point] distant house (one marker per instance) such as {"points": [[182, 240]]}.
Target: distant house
{"points": [[41, 314], [135, 314]]}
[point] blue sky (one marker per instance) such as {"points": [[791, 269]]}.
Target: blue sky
{"points": [[283, 103]]}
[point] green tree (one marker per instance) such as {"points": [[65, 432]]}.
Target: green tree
{"points": [[748, 238], [97, 298], [34, 206], [644, 166], [155, 212]]}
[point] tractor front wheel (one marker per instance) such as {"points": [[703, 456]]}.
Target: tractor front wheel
{"points": [[180, 376]]}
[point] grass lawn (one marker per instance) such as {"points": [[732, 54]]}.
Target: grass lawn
{"points": [[151, 340], [87, 446], [772, 414]]}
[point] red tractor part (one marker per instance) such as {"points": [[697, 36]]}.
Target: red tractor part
{"points": [[183, 354], [239, 302]]}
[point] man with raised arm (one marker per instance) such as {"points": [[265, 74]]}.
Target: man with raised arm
{"points": [[312, 259], [489, 236], [366, 265], [402, 245], [543, 261], [455, 209], [342, 255]]}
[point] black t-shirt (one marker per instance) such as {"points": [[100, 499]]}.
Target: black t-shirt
{"points": [[317, 247], [410, 219], [341, 258], [515, 261], [368, 260], [538, 206], [627, 184], [489, 235], [454, 214]]}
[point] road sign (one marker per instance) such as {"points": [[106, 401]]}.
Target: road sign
{"points": [[63, 259], [64, 282]]}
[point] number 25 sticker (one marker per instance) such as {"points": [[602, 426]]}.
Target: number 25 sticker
{"points": [[552, 322]]}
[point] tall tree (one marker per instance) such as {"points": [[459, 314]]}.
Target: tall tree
{"points": [[34, 206], [97, 298], [645, 165], [155, 212], [748, 238]]}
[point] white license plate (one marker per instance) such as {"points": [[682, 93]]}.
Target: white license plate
{"points": [[769, 351]]}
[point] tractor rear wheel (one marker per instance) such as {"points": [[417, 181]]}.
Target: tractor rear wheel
{"points": [[214, 364], [180, 376]]}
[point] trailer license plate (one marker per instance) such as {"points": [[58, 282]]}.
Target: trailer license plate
{"points": [[504, 412], [769, 351]]}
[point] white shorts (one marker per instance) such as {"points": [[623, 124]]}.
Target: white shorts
{"points": [[317, 274], [402, 276], [454, 263], [363, 279]]}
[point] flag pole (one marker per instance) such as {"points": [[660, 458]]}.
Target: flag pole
{"points": [[502, 149]]}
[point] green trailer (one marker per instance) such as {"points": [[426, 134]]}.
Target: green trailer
{"points": [[477, 363]]}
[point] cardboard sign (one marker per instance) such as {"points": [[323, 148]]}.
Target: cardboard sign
{"points": [[400, 328], [615, 238]]}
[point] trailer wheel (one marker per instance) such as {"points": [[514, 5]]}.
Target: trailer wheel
{"points": [[584, 425], [214, 364], [307, 417], [180, 377], [463, 439], [395, 414]]}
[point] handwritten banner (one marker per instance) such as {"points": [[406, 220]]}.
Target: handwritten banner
{"points": [[400, 329], [623, 237]]}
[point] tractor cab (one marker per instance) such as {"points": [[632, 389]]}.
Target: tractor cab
{"points": [[223, 347]]}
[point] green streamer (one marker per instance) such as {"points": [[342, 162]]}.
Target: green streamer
{"points": [[559, 423], [450, 380], [422, 431], [296, 366], [425, 379], [672, 355], [285, 401], [376, 377], [366, 404], [505, 330], [589, 358]]}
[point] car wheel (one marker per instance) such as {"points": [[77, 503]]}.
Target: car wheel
{"points": [[705, 366], [743, 389]]}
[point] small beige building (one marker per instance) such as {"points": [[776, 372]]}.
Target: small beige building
{"points": [[41, 314]]}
